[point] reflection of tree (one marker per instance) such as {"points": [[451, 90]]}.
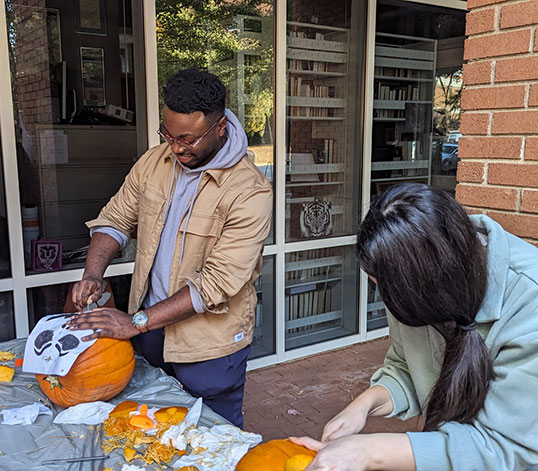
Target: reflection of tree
{"points": [[203, 34], [448, 101]]}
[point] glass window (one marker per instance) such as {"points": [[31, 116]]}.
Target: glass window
{"points": [[45, 300], [234, 40], [77, 92], [5, 264], [321, 296], [7, 322], [264, 342], [324, 70], [417, 90]]}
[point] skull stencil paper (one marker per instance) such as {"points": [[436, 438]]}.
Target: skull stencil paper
{"points": [[51, 348]]}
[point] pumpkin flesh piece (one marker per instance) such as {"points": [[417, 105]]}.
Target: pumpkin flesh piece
{"points": [[123, 409]]}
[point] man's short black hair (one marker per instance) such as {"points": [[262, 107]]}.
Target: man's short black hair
{"points": [[193, 90]]}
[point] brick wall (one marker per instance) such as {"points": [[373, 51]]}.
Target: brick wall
{"points": [[498, 173]]}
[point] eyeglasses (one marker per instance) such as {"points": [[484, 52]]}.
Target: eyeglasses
{"points": [[163, 132]]}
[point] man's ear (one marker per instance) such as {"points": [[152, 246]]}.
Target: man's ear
{"points": [[222, 126]]}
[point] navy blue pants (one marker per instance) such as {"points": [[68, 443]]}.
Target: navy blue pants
{"points": [[220, 382]]}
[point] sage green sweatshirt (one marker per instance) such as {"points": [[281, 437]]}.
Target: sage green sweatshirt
{"points": [[504, 436]]}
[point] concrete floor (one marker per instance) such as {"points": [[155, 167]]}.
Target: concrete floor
{"points": [[299, 397]]}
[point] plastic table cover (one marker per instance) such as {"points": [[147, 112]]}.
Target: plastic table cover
{"points": [[25, 447]]}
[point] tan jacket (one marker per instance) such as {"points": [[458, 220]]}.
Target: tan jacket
{"points": [[230, 220]]}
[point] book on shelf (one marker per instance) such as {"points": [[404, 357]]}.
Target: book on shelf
{"points": [[396, 93], [298, 87], [400, 72], [303, 159]]}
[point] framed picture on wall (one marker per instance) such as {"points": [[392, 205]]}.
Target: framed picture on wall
{"points": [[90, 17], [92, 65]]}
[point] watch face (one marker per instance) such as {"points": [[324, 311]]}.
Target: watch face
{"points": [[140, 319]]}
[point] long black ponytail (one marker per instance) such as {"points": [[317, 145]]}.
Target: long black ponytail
{"points": [[423, 250]]}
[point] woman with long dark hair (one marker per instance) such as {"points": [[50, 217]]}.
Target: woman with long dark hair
{"points": [[463, 300]]}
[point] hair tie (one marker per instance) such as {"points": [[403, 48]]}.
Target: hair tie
{"points": [[468, 327]]}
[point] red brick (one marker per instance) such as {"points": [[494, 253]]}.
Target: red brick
{"points": [[536, 41], [533, 95], [522, 225], [513, 174], [477, 73], [529, 202], [472, 172], [481, 21], [487, 196], [493, 97], [474, 123], [474, 211], [531, 148], [519, 14], [494, 45], [516, 69], [490, 147], [515, 122], [480, 3]]}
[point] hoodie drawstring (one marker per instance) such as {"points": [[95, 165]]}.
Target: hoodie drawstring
{"points": [[168, 202]]}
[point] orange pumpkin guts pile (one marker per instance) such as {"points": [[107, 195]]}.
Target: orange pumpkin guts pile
{"points": [[127, 424], [276, 455]]}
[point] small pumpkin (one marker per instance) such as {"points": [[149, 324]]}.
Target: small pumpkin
{"points": [[98, 374], [273, 455]]}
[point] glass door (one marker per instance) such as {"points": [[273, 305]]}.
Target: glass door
{"points": [[325, 48]]}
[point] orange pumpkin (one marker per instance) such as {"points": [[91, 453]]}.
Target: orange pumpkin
{"points": [[98, 374], [272, 456]]}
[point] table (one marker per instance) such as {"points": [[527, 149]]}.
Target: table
{"points": [[24, 447]]}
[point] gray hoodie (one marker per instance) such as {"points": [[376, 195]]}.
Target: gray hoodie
{"points": [[180, 204]]}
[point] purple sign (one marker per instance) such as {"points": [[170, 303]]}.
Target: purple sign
{"points": [[46, 255]]}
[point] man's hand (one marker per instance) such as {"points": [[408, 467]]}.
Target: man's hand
{"points": [[85, 292], [105, 322]]}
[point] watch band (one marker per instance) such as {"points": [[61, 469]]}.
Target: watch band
{"points": [[143, 329]]}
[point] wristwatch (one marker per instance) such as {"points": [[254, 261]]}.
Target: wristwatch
{"points": [[140, 321]]}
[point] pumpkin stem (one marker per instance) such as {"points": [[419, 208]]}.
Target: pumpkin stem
{"points": [[53, 381]]}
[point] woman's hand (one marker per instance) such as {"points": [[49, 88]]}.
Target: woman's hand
{"points": [[343, 454], [378, 451], [375, 401], [351, 420]]}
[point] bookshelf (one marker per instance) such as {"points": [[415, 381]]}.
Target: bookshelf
{"points": [[316, 308], [403, 101], [263, 342], [404, 75], [317, 174]]}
